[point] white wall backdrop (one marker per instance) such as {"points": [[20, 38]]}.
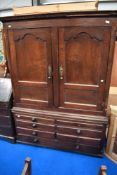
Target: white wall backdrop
{"points": [[17, 3], [6, 5]]}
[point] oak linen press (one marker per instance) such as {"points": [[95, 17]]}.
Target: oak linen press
{"points": [[60, 66]]}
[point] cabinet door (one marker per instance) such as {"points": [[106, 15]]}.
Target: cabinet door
{"points": [[83, 57], [31, 62]]}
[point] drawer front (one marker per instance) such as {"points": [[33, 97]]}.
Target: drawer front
{"points": [[79, 140], [5, 120], [81, 124], [35, 133], [33, 125], [79, 132], [36, 119], [59, 144]]}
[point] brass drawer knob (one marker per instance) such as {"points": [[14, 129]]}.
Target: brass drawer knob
{"points": [[34, 133], [78, 131], [34, 125], [35, 140], [34, 119], [78, 147]]}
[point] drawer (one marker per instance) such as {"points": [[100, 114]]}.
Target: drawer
{"points": [[39, 119], [59, 144], [34, 132], [87, 149], [81, 124], [79, 132], [79, 140], [5, 120], [6, 130], [33, 125]]}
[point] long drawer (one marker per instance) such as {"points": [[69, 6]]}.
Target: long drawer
{"points": [[59, 144]]}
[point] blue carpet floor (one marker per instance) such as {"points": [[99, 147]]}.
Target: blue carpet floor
{"points": [[49, 162]]}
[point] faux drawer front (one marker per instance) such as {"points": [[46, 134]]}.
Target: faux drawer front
{"points": [[81, 124], [39, 119], [58, 144], [34, 132], [5, 120], [79, 140], [79, 132], [38, 126]]}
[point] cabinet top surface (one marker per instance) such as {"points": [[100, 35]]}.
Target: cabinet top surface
{"points": [[60, 15]]}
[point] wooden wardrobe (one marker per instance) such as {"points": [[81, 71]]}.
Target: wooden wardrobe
{"points": [[60, 66]]}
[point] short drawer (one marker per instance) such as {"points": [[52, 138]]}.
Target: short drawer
{"points": [[88, 149], [34, 132], [79, 132], [39, 119], [79, 140], [33, 125], [42, 141], [81, 124]]}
